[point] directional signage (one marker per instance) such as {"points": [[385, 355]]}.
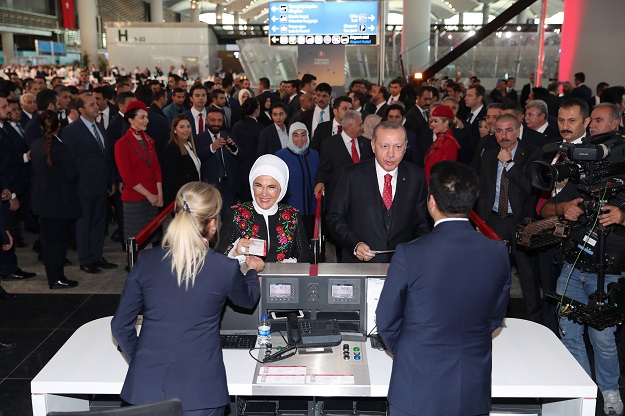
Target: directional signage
{"points": [[323, 23]]}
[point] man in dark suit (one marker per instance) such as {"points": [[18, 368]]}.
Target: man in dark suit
{"points": [[476, 109], [507, 198], [275, 136], [581, 90], [306, 103], [397, 114], [380, 202], [330, 128], [65, 97], [442, 356], [28, 103], [536, 120], [292, 93], [220, 165], [417, 117], [6, 243], [321, 112], [106, 113], [379, 98], [159, 100], [605, 117], [9, 161], [264, 86], [86, 139], [527, 89], [218, 100], [358, 99]]}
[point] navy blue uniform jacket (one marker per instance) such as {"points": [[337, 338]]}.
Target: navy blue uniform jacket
{"points": [[444, 295], [178, 352]]}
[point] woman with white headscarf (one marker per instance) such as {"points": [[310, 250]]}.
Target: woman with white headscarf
{"points": [[303, 163], [264, 218]]}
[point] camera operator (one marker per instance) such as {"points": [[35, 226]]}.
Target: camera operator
{"points": [[578, 278]]}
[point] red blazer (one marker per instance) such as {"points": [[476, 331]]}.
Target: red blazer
{"points": [[132, 162], [445, 147]]}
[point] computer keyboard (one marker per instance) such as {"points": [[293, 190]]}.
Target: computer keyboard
{"points": [[376, 342], [238, 341]]}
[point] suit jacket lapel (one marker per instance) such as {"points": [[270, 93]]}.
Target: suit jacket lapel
{"points": [[401, 192], [370, 182]]}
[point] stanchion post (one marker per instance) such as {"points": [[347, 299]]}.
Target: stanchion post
{"points": [[132, 251]]}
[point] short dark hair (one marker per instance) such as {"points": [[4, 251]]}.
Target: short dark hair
{"points": [[421, 90], [324, 87], [6, 87], [158, 95], [216, 93], [308, 78], [454, 187], [144, 94], [541, 93], [123, 96], [178, 90], [359, 96], [602, 86], [480, 91], [397, 106], [613, 95], [209, 85], [396, 81], [264, 82], [339, 100], [580, 76], [46, 97], [197, 87], [105, 90], [573, 102], [385, 93]]}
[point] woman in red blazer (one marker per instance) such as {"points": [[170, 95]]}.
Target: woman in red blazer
{"points": [[135, 155], [445, 147]]}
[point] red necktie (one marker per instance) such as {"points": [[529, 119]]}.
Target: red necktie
{"points": [[387, 192], [339, 129], [200, 124], [355, 157]]}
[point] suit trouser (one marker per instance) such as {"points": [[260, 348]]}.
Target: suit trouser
{"points": [[55, 235], [8, 259], [526, 266], [550, 265], [90, 228]]}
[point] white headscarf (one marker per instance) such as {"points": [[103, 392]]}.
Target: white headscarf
{"points": [[241, 91], [275, 167], [294, 127]]}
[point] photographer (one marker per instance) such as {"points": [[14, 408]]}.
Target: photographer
{"points": [[578, 279]]}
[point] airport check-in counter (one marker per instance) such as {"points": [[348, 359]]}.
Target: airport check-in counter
{"points": [[530, 365]]}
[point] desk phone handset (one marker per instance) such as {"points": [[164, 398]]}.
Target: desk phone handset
{"points": [[293, 332]]}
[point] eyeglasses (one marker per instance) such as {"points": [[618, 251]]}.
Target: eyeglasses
{"points": [[272, 189]]}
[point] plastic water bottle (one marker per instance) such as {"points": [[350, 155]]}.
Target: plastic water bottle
{"points": [[264, 330]]}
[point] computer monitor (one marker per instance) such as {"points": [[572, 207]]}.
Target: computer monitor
{"points": [[237, 320]]}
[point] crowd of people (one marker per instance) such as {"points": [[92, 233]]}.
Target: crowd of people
{"points": [[76, 158]]}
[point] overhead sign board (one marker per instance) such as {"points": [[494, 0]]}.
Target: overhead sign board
{"points": [[46, 47], [323, 23]]}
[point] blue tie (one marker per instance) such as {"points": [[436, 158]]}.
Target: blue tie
{"points": [[321, 116], [97, 136]]}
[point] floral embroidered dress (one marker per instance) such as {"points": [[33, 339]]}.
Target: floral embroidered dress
{"points": [[286, 238]]}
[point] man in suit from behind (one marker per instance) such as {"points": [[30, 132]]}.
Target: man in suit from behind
{"points": [[507, 198], [439, 306], [86, 138], [379, 203], [330, 128], [527, 89], [581, 90], [306, 103]]}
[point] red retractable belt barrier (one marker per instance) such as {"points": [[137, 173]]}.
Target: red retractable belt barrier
{"points": [[145, 234], [316, 239], [483, 227]]}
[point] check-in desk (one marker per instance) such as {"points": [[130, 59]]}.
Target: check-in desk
{"points": [[528, 362]]}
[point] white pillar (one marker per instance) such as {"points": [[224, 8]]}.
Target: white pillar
{"points": [[156, 11], [219, 12], [237, 18], [485, 11], [87, 16], [8, 47], [195, 13], [415, 40]]}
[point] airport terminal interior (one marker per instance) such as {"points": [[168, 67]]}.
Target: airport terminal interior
{"points": [[519, 51]]}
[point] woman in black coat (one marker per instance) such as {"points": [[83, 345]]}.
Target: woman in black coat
{"points": [[181, 164], [54, 198]]}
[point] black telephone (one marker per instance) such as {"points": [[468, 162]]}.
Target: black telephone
{"points": [[312, 333]]}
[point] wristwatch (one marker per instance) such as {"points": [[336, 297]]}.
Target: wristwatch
{"points": [[506, 163]]}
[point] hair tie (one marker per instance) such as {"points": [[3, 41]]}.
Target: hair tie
{"points": [[186, 206]]}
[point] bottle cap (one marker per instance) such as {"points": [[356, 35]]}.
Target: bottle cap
{"points": [[263, 317]]}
